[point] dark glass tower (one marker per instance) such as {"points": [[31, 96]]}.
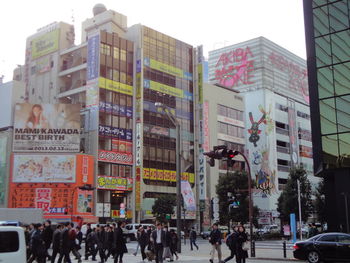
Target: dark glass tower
{"points": [[327, 30]]}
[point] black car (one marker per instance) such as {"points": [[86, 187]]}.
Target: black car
{"points": [[327, 247]]}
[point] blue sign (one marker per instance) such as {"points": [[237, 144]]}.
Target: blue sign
{"points": [[115, 132], [93, 53], [138, 66], [293, 227]]}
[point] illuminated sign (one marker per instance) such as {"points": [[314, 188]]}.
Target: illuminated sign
{"points": [[166, 175]]}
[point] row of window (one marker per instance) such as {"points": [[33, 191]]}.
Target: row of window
{"points": [[230, 130], [299, 113], [116, 170], [162, 120], [114, 145], [167, 79], [230, 112]]}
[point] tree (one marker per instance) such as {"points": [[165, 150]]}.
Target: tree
{"points": [[288, 200], [237, 184], [164, 205], [320, 204]]}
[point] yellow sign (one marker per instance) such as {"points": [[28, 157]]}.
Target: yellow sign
{"points": [[200, 83], [166, 89], [154, 64], [166, 175], [45, 44], [115, 86], [138, 86]]}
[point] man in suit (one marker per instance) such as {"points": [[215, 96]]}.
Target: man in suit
{"points": [[158, 239]]}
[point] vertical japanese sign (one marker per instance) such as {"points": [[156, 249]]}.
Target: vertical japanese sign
{"points": [[201, 175], [92, 71], [3, 151], [293, 134], [138, 189], [206, 143], [188, 196]]}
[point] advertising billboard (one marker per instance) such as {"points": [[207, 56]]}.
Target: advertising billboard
{"points": [[46, 128], [44, 169], [56, 194], [114, 183], [115, 157], [45, 44]]}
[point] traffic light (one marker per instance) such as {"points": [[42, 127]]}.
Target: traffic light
{"points": [[221, 152]]}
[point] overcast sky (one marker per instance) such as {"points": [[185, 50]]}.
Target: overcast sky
{"points": [[214, 24]]}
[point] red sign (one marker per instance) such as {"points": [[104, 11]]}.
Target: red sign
{"points": [[234, 68], [115, 157]]}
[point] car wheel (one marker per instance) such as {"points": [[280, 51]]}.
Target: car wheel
{"points": [[313, 257]]}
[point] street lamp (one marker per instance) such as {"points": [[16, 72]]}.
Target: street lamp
{"points": [[173, 119]]}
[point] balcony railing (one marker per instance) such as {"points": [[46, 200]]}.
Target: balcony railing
{"points": [[282, 131], [283, 149], [283, 168]]}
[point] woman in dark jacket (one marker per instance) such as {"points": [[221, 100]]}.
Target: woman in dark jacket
{"points": [[119, 242], [241, 238], [173, 245]]}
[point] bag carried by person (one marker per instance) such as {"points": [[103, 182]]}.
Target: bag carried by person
{"points": [[245, 246]]}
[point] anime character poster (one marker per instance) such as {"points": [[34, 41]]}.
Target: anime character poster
{"points": [[261, 143]]}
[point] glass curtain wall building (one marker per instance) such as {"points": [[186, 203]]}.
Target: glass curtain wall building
{"points": [[328, 58]]}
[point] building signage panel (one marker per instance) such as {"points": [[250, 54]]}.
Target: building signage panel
{"points": [[138, 189], [156, 86], [45, 44], [293, 134], [201, 175], [115, 157], [47, 128], [93, 64], [115, 132], [188, 196], [229, 138], [206, 144], [50, 182], [114, 183], [115, 86], [138, 144], [43, 168]]}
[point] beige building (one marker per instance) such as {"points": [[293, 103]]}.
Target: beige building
{"points": [[223, 124]]}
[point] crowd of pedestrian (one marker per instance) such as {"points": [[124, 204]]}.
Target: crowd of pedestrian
{"points": [[107, 241], [236, 242]]}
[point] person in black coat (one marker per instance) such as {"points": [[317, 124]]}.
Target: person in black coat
{"points": [[119, 243], [215, 241], [101, 242], [110, 234], [231, 242], [193, 238], [173, 245], [56, 238], [158, 239], [143, 239], [241, 238], [37, 245], [47, 236], [65, 244], [91, 245]]}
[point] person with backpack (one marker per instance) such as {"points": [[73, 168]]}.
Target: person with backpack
{"points": [[193, 238], [231, 242], [215, 241]]}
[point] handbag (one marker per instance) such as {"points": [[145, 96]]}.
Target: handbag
{"points": [[245, 246]]}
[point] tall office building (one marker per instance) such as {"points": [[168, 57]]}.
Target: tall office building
{"points": [[328, 58], [117, 74], [273, 82]]}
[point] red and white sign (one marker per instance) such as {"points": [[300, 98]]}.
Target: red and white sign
{"points": [[43, 199], [231, 121], [115, 157]]}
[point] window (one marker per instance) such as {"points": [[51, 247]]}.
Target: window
{"points": [[345, 239], [9, 241], [123, 55], [328, 238], [105, 49], [116, 52], [123, 77]]}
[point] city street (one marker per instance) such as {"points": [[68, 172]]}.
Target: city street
{"points": [[266, 251]]}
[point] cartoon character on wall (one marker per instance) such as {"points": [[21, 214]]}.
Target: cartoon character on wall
{"points": [[268, 121], [254, 130], [265, 178], [257, 157]]}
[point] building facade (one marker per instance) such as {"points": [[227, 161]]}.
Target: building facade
{"points": [[327, 38], [223, 124], [117, 74], [273, 82]]}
